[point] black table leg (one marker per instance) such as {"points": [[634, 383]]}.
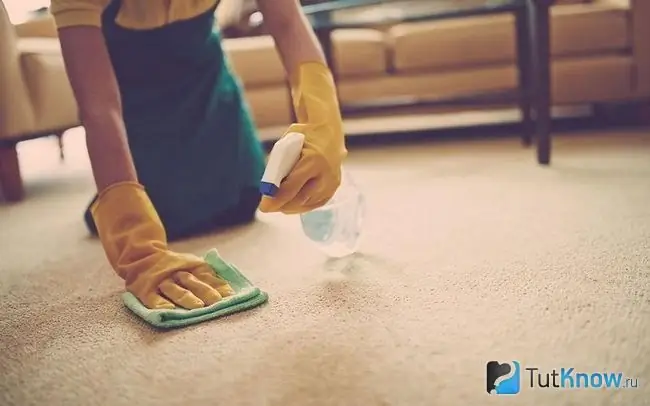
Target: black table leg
{"points": [[292, 110], [324, 36], [540, 11], [524, 66]]}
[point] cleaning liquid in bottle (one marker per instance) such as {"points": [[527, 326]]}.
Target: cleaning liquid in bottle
{"points": [[335, 227]]}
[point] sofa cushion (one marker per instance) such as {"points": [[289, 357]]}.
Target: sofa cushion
{"points": [[578, 30], [255, 60], [575, 29], [50, 92], [356, 52], [38, 27], [359, 52], [269, 105], [573, 81]]}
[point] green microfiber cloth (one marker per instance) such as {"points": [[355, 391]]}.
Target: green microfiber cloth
{"points": [[246, 297]]}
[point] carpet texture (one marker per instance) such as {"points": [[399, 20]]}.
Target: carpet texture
{"points": [[472, 253]]}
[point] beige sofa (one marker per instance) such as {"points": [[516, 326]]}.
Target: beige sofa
{"points": [[35, 95], [600, 48]]}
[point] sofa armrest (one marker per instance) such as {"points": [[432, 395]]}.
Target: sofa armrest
{"points": [[8, 46], [13, 90], [641, 45], [39, 27]]}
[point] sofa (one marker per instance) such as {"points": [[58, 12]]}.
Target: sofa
{"points": [[35, 95], [600, 54]]}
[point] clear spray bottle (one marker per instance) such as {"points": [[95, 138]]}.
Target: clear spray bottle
{"points": [[335, 228]]}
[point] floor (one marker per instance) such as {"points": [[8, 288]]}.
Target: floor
{"points": [[472, 252]]}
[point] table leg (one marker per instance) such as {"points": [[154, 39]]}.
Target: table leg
{"points": [[292, 111], [11, 182], [324, 36], [59, 137], [540, 11], [524, 66]]}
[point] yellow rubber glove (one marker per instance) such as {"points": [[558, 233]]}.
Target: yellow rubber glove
{"points": [[317, 175], [135, 243]]}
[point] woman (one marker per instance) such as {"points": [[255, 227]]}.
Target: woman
{"points": [[170, 140]]}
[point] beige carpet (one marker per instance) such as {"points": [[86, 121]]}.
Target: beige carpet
{"points": [[472, 253]]}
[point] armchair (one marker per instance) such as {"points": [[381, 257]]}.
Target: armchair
{"points": [[36, 99]]}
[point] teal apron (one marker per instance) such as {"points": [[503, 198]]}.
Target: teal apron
{"points": [[189, 129]]}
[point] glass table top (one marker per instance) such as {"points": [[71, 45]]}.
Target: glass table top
{"points": [[358, 13]]}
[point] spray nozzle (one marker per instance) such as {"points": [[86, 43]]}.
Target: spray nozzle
{"points": [[283, 157]]}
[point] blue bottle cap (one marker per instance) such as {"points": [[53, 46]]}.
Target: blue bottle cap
{"points": [[268, 189]]}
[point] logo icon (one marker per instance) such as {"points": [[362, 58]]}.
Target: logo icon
{"points": [[502, 378]]}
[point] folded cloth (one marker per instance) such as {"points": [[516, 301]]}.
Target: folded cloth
{"points": [[246, 297]]}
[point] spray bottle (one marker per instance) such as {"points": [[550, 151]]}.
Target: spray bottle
{"points": [[335, 227]]}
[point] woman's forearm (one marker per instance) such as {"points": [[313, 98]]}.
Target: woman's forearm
{"points": [[294, 37], [97, 94], [108, 150]]}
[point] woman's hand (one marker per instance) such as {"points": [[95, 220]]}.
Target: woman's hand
{"points": [[317, 175], [136, 246], [132, 234], [315, 178]]}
